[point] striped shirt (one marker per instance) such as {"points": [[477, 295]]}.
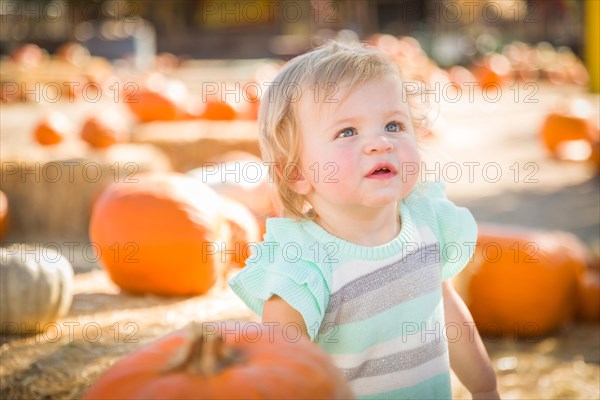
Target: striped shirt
{"points": [[378, 311]]}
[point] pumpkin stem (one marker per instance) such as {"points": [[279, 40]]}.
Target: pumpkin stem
{"points": [[203, 354]]}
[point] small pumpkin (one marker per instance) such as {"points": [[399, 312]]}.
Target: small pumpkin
{"points": [[3, 215], [224, 360], [588, 308], [495, 70], [522, 282], [37, 288], [52, 129], [159, 235], [559, 128], [149, 105], [156, 98], [102, 132], [217, 110]]}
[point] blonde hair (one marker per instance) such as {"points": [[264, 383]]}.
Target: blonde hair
{"points": [[279, 129]]}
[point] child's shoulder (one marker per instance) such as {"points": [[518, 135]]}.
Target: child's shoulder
{"points": [[281, 229], [285, 239], [428, 190], [428, 203]]}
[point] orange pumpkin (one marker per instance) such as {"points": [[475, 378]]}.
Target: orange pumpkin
{"points": [[52, 129], [224, 360], [3, 215], [148, 105], [523, 282], [244, 231], [494, 70], [559, 128], [216, 110], [99, 132], [159, 235]]}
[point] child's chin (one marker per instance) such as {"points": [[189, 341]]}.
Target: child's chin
{"points": [[383, 201]]}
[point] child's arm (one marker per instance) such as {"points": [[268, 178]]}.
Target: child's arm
{"points": [[276, 310], [468, 357]]}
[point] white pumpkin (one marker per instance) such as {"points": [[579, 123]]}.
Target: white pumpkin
{"points": [[36, 288], [244, 179]]}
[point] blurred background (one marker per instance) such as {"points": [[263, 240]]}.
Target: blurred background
{"points": [[106, 100]]}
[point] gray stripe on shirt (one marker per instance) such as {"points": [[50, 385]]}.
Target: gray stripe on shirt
{"points": [[408, 265], [395, 362], [384, 295]]}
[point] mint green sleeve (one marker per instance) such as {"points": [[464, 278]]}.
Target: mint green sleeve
{"points": [[300, 283], [454, 226]]}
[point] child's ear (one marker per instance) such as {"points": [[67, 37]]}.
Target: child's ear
{"points": [[292, 175]]}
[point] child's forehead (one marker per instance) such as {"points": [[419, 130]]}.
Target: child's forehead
{"points": [[385, 97], [332, 96]]}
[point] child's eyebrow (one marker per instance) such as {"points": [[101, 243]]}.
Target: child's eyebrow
{"points": [[354, 120]]}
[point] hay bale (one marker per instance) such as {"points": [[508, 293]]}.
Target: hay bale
{"points": [[51, 191], [188, 144]]}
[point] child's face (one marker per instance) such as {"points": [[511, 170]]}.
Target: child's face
{"points": [[359, 151]]}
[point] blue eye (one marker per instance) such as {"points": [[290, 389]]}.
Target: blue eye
{"points": [[395, 127], [347, 132]]}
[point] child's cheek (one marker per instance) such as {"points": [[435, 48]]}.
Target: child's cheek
{"points": [[410, 165], [333, 171]]}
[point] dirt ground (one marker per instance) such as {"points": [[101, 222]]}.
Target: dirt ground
{"points": [[104, 323]]}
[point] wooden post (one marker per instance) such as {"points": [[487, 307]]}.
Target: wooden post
{"points": [[592, 42]]}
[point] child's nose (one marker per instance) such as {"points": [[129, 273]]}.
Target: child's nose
{"points": [[379, 144]]}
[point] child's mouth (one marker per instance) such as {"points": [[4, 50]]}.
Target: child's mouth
{"points": [[382, 172]]}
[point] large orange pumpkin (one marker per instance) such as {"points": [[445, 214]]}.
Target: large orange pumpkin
{"points": [[158, 235], [3, 215], [99, 132], [559, 128], [522, 282], [224, 360]]}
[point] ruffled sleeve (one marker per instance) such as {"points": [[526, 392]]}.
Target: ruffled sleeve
{"points": [[454, 226], [281, 265]]}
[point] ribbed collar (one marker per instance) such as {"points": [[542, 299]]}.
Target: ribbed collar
{"points": [[383, 251]]}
